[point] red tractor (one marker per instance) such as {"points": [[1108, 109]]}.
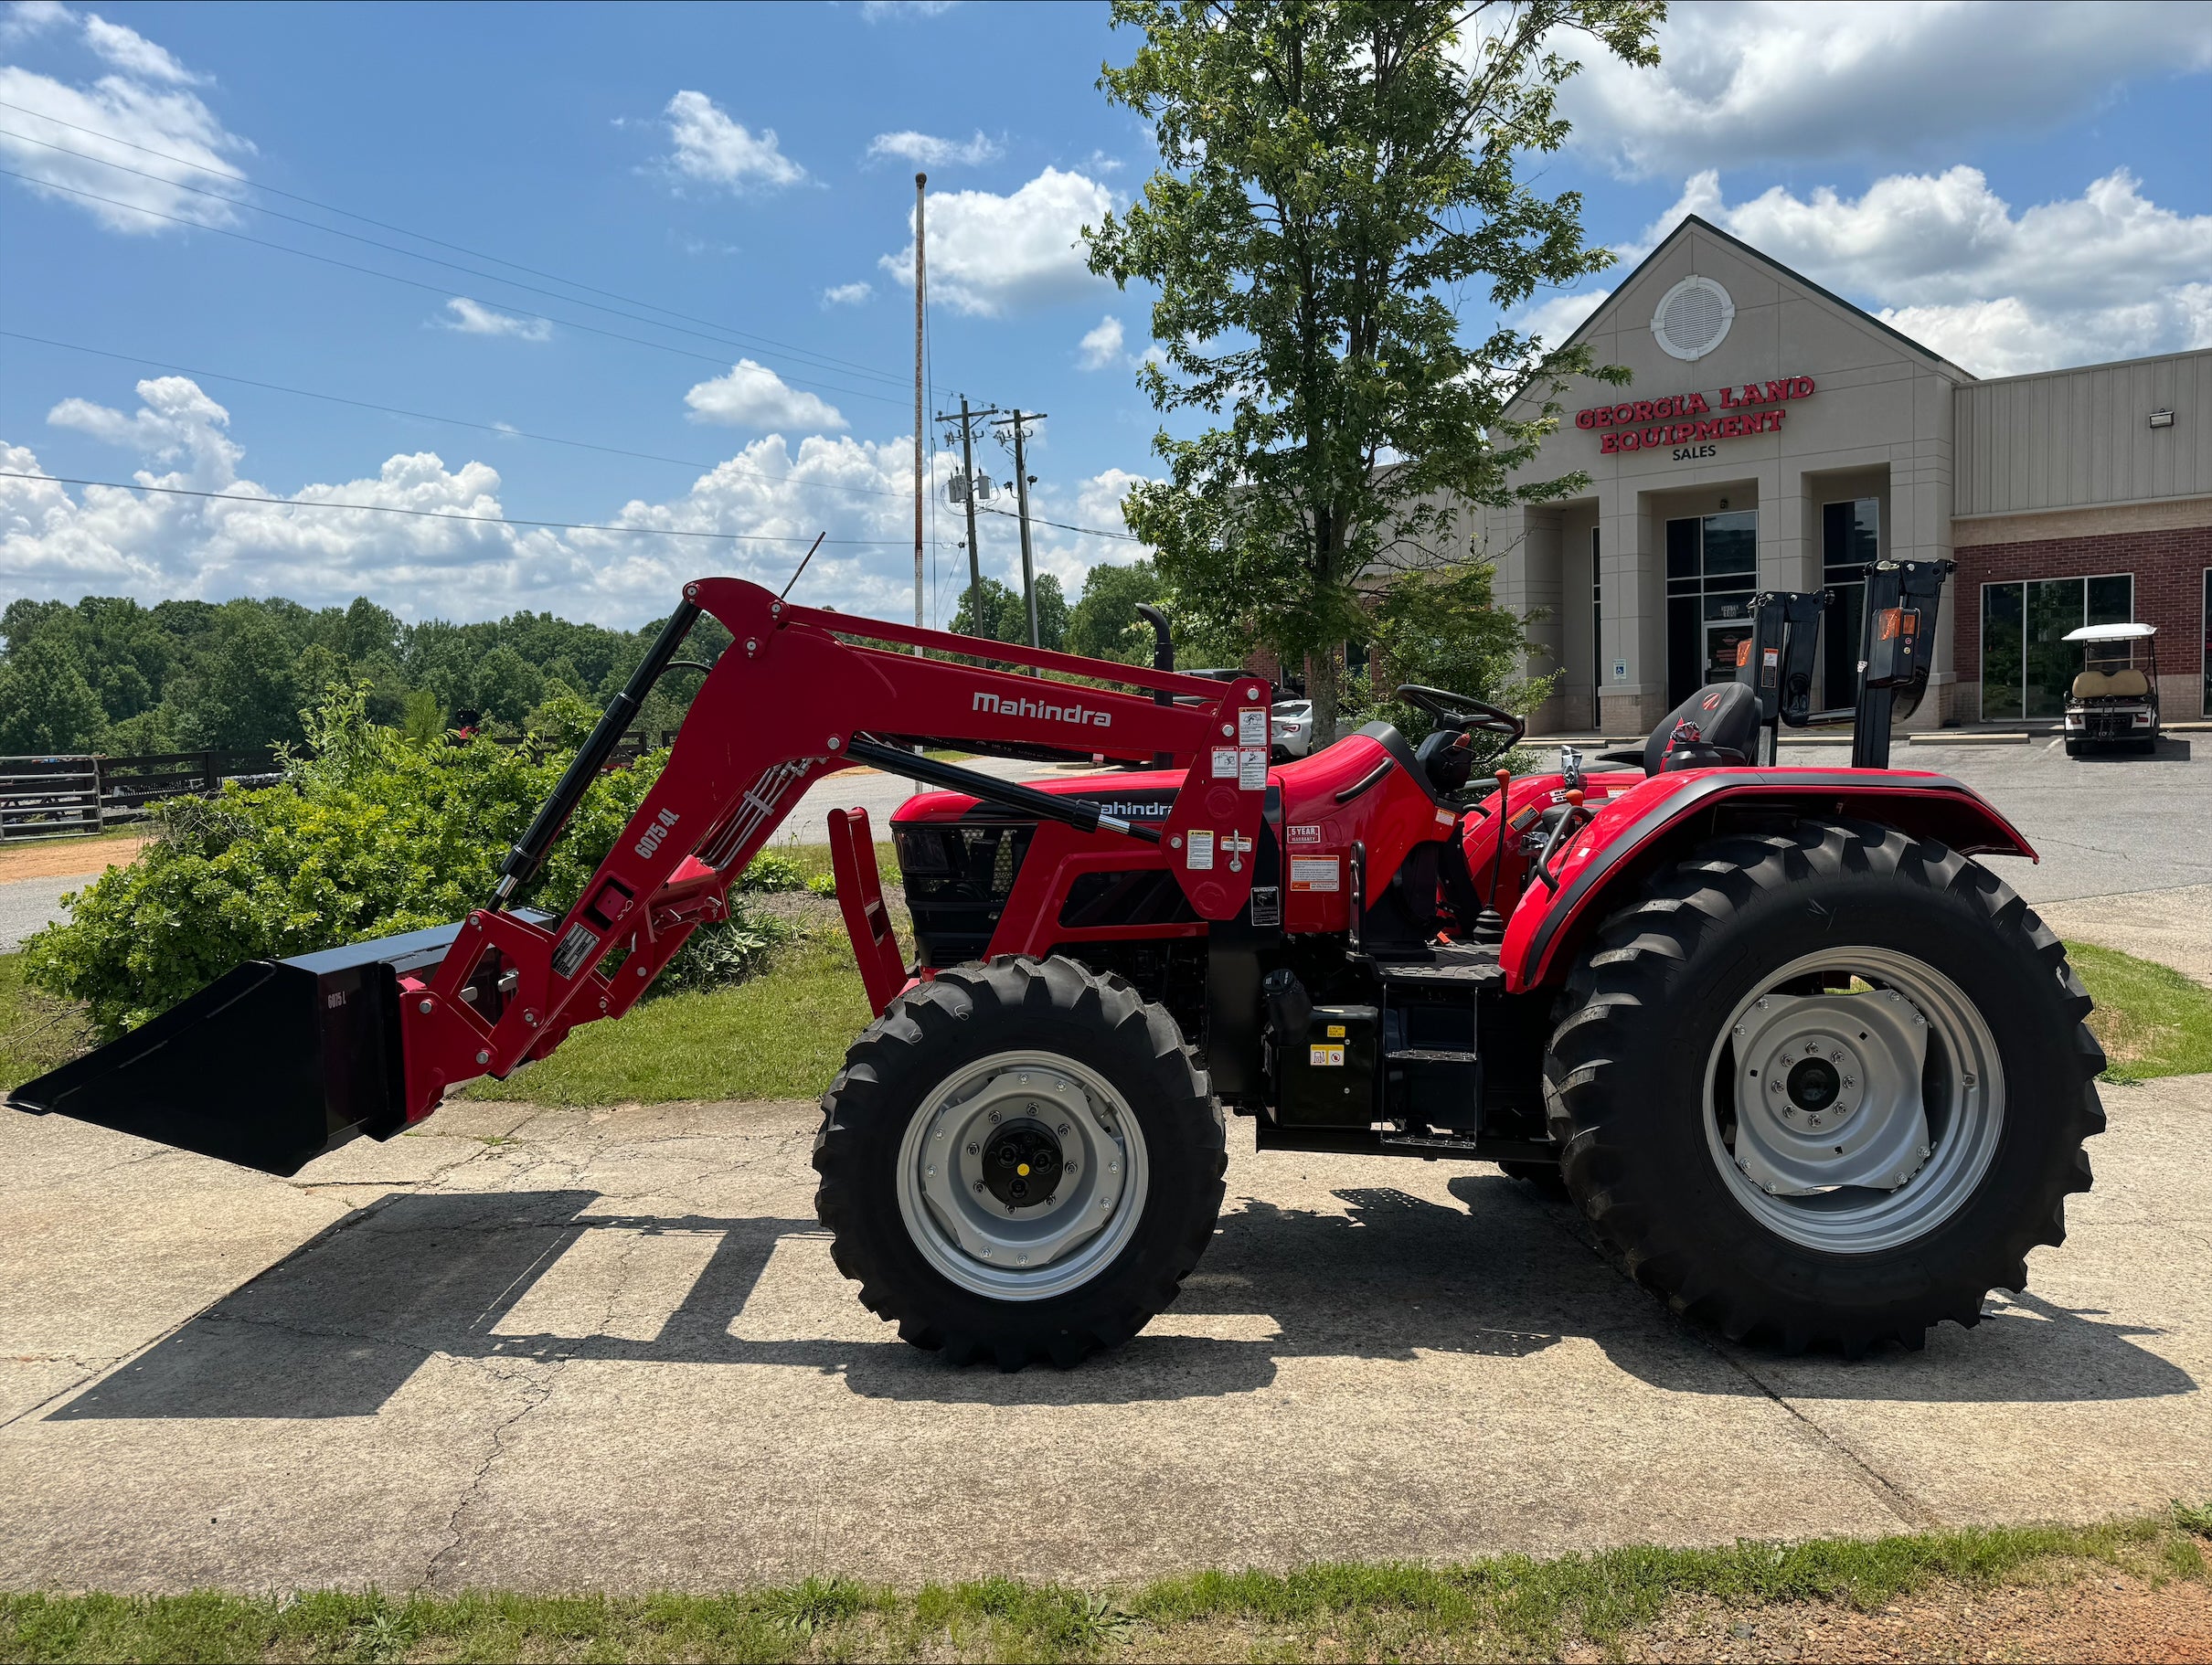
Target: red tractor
{"points": [[1819, 1077]]}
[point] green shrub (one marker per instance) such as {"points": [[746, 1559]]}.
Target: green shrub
{"points": [[823, 884], [368, 836], [771, 872], [726, 951]]}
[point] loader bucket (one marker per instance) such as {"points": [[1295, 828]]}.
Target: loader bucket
{"points": [[269, 1066]]}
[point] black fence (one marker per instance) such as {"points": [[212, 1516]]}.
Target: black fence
{"points": [[61, 796]]}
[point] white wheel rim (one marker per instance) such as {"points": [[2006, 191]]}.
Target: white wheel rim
{"points": [[978, 1222], [1854, 1119]]}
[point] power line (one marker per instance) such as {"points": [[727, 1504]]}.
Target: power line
{"points": [[436, 289], [484, 520], [728, 339], [1037, 520], [424, 416], [202, 167]]}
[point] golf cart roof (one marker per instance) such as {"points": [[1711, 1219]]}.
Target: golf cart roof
{"points": [[2112, 632]]}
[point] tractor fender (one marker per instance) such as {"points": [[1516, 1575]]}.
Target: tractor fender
{"points": [[1638, 830]]}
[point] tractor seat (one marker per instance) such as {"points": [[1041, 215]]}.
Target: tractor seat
{"points": [[1726, 715]]}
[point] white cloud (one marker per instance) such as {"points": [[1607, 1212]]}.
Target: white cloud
{"points": [[2108, 274], [879, 11], [846, 294], [1101, 344], [990, 253], [712, 149], [100, 540], [753, 396], [175, 419], [133, 53], [472, 318], [925, 150], [1553, 321], [144, 103], [1786, 78], [29, 17]]}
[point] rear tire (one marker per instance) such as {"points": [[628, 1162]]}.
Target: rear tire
{"points": [[1709, 1180], [1092, 1088]]}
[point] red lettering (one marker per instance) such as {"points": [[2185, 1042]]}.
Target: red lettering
{"points": [[1697, 405], [1632, 440], [1609, 444], [1655, 436], [1801, 387], [1644, 410], [1624, 414], [1774, 420], [1586, 418], [1728, 398], [1709, 430], [1777, 392], [1732, 427]]}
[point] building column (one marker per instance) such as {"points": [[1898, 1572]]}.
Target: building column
{"points": [[1920, 505], [1634, 635], [1542, 591]]}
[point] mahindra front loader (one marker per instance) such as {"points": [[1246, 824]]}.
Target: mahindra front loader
{"points": [[1818, 1076]]}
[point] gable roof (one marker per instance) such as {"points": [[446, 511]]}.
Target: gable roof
{"points": [[1742, 248]]}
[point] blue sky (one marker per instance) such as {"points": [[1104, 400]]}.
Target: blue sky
{"points": [[2022, 187]]}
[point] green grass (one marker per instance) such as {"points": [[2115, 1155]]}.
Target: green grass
{"points": [[36, 1031], [780, 1035], [2151, 1021], [1506, 1607]]}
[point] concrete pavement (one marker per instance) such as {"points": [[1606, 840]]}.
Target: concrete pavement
{"points": [[608, 1348]]}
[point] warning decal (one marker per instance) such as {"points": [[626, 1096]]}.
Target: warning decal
{"points": [[1325, 1058], [1251, 770], [1251, 725], [1198, 851], [1313, 872], [1225, 763]]}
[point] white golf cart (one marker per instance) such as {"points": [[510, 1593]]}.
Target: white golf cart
{"points": [[2113, 704]]}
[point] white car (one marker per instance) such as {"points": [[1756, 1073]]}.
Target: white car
{"points": [[1291, 728]]}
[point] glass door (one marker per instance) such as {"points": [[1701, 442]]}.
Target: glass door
{"points": [[1712, 566]]}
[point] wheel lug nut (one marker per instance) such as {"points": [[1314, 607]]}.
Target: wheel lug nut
{"points": [[979, 1184], [974, 1147]]}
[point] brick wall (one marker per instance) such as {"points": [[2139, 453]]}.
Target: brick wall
{"points": [[2169, 567]]}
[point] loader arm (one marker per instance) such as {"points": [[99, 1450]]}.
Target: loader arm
{"points": [[784, 706]]}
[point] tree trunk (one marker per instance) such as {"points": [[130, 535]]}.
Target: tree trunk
{"points": [[1324, 683]]}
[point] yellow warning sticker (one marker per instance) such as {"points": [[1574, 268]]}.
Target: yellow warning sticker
{"points": [[1325, 1058], [1336, 1032]]}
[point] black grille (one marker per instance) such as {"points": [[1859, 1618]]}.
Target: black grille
{"points": [[958, 876]]}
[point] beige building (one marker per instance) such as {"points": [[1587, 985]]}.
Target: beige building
{"points": [[1775, 437]]}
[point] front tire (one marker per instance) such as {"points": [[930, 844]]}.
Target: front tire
{"points": [[1825, 1088], [1018, 1163]]}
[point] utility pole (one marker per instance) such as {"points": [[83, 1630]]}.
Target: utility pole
{"points": [[1021, 492], [967, 420], [919, 271]]}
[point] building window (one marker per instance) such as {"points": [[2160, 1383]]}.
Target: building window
{"points": [[2208, 635], [1850, 539], [2027, 665], [1712, 566]]}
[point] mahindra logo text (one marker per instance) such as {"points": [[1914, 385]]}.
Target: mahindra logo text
{"points": [[1002, 706], [654, 833]]}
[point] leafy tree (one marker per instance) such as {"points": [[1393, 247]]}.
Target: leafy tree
{"points": [[246, 695], [46, 704], [506, 686], [1439, 627], [1104, 622], [1006, 616], [1337, 173], [158, 729]]}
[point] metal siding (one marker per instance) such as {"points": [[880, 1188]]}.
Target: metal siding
{"points": [[2080, 437]]}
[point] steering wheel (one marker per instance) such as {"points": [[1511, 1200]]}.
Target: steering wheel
{"points": [[1462, 711]]}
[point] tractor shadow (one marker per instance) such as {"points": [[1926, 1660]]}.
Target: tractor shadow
{"points": [[338, 1327]]}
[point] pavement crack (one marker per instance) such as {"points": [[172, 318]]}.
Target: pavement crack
{"points": [[1892, 1496], [535, 1393]]}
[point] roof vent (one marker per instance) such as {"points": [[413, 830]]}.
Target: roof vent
{"points": [[1692, 318]]}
